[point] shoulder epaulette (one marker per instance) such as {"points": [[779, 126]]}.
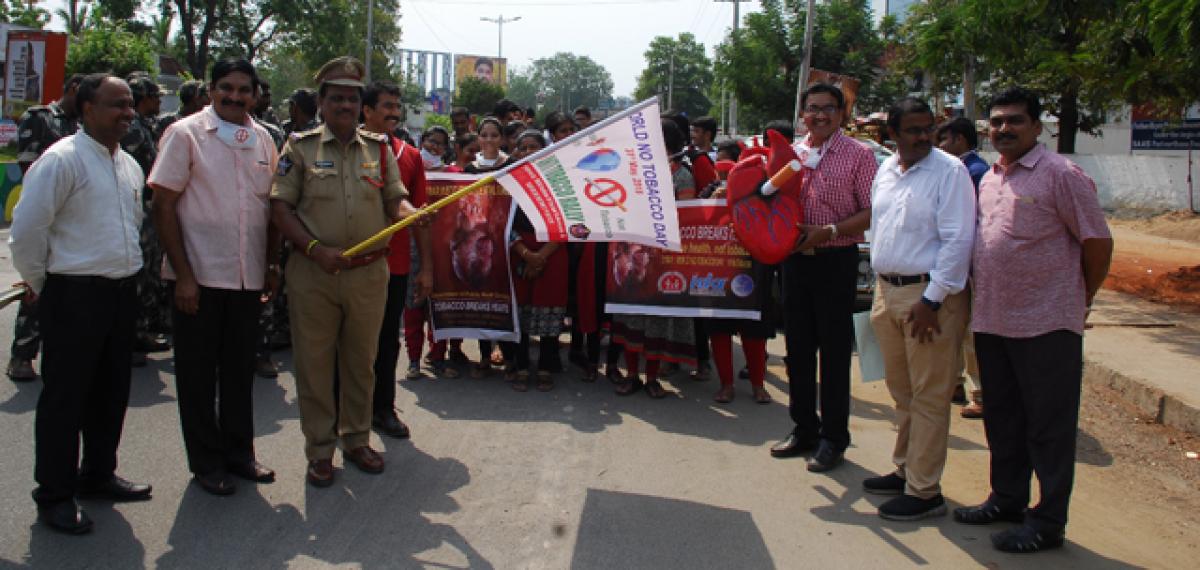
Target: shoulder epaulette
{"points": [[376, 137]]}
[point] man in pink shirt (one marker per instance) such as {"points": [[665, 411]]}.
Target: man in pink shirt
{"points": [[212, 183], [1042, 249]]}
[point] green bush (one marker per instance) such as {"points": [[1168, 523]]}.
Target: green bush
{"points": [[112, 50]]}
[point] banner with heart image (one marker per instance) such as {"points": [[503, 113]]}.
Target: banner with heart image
{"points": [[713, 276]]}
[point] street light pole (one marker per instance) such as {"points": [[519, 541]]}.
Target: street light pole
{"points": [[500, 21], [802, 83], [671, 81], [370, 34], [737, 19]]}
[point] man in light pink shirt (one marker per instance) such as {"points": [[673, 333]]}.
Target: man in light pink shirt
{"points": [[212, 182], [1042, 249]]}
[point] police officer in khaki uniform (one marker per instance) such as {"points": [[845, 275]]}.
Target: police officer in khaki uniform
{"points": [[336, 186]]}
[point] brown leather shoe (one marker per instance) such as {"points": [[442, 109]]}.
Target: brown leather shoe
{"points": [[320, 472], [972, 411], [365, 459]]}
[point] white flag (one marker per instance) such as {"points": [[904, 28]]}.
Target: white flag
{"points": [[608, 182]]}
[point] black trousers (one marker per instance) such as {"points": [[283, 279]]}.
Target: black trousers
{"points": [[1032, 386], [388, 355], [819, 295], [87, 342], [214, 376]]}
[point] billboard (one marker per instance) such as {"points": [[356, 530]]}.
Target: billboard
{"points": [[35, 70], [490, 69]]}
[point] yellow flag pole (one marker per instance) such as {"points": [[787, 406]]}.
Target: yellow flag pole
{"points": [[387, 232]]}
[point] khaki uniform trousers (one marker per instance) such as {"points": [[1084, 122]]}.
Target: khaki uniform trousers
{"points": [[970, 376], [335, 319], [921, 379]]}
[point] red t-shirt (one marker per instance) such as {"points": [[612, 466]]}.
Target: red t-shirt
{"points": [[412, 174]]}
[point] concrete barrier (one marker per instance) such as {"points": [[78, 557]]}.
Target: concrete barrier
{"points": [[1137, 182]]}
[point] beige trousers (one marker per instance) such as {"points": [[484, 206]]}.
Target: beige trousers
{"points": [[335, 319], [921, 379]]}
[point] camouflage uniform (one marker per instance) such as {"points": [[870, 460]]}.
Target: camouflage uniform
{"points": [[40, 127], [153, 294], [273, 321]]}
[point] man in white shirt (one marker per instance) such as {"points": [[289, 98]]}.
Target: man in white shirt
{"points": [[923, 229], [74, 240]]}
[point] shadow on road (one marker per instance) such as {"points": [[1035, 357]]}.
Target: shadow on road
{"points": [[624, 530], [372, 521]]}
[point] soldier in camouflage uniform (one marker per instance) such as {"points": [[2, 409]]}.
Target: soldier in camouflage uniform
{"points": [[40, 127], [193, 96], [302, 112], [153, 295], [273, 321]]}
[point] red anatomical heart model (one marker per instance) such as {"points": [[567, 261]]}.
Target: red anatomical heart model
{"points": [[766, 225]]}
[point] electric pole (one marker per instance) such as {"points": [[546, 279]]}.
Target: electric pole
{"points": [[802, 83], [500, 21], [737, 20], [671, 80]]}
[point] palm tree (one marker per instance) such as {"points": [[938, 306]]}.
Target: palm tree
{"points": [[75, 15]]}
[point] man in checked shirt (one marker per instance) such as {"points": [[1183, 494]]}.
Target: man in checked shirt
{"points": [[819, 279]]}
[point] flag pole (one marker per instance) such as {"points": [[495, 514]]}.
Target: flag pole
{"points": [[429, 210]]}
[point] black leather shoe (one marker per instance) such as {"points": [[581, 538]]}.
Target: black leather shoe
{"points": [[390, 425], [218, 483], [138, 360], [65, 516], [987, 513], [151, 343], [253, 471], [792, 445], [115, 489], [826, 458]]}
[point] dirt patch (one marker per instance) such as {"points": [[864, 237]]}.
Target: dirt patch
{"points": [[1155, 268], [1182, 225], [1145, 455]]}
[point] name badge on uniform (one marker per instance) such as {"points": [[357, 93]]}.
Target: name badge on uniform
{"points": [[370, 165], [323, 163], [285, 164]]}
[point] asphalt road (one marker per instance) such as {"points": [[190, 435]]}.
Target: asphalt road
{"points": [[577, 477]]}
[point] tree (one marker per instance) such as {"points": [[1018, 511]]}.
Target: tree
{"points": [[23, 14], [761, 62], [477, 95], [521, 88], [569, 80], [113, 50], [198, 20], [325, 30], [679, 70], [75, 14]]}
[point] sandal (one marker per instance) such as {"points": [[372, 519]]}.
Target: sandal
{"points": [[613, 374], [520, 382], [1026, 539], [655, 390], [589, 374], [724, 395], [545, 382], [986, 513], [761, 396], [628, 387]]}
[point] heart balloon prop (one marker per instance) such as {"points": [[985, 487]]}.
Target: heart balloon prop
{"points": [[763, 194]]}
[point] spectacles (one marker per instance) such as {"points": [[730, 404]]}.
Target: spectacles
{"points": [[827, 110]]}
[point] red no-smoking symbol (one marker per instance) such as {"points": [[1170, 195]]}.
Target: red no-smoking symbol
{"points": [[241, 136], [606, 193]]}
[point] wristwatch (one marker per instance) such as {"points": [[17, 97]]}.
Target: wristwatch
{"points": [[931, 304], [833, 229]]}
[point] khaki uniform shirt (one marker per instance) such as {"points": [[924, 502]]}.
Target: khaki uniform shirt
{"points": [[338, 191]]}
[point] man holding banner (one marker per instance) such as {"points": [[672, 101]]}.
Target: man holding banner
{"points": [[336, 186]]}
